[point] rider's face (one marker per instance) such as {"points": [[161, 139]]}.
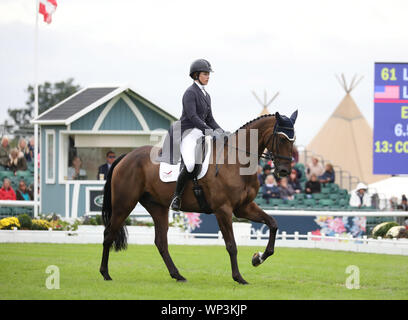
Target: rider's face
{"points": [[203, 77]]}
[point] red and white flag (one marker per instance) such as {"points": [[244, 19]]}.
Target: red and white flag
{"points": [[47, 8]]}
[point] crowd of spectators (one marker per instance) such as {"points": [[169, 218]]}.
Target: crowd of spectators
{"points": [[287, 187], [16, 160]]}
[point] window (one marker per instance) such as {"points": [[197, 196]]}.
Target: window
{"points": [[50, 156], [84, 156]]}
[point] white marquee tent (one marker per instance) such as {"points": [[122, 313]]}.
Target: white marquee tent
{"points": [[391, 187]]}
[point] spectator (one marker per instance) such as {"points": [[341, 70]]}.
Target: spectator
{"points": [[4, 152], [285, 190], [24, 193], [23, 148], [31, 147], [293, 167], [75, 172], [328, 176], [259, 176], [270, 189], [267, 171], [293, 181], [404, 205], [104, 169], [312, 186], [314, 168], [17, 161], [6, 191], [360, 197]]}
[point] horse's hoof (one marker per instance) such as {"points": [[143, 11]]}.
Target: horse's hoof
{"points": [[179, 278], [256, 259], [106, 275], [241, 281]]}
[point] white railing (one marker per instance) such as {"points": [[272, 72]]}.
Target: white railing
{"points": [[16, 203], [146, 235], [357, 213]]}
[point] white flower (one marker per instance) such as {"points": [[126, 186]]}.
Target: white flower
{"points": [[394, 232], [378, 226]]}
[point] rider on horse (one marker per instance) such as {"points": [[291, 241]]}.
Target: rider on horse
{"points": [[196, 120]]}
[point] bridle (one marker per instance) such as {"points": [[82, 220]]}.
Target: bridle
{"points": [[269, 155]]}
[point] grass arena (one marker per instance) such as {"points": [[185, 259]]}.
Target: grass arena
{"points": [[139, 273]]}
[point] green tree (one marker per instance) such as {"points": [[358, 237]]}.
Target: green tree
{"points": [[49, 94]]}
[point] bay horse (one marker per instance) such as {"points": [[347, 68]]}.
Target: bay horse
{"points": [[134, 178]]}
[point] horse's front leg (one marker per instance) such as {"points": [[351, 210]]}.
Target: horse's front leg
{"points": [[254, 213], [224, 219]]}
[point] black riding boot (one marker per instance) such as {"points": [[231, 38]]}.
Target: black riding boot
{"points": [[181, 181]]}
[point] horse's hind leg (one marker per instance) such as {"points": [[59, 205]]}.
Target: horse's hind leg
{"points": [[115, 232], [160, 217], [110, 235]]}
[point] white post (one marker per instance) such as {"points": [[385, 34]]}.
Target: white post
{"points": [[309, 236], [36, 111], [284, 235], [296, 235]]}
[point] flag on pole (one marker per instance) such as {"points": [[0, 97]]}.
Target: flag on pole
{"points": [[47, 8]]}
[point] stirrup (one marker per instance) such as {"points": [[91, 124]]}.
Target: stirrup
{"points": [[175, 203]]}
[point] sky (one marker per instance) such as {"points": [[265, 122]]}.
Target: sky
{"points": [[292, 47]]}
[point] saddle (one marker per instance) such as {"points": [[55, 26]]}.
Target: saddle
{"points": [[169, 172]]}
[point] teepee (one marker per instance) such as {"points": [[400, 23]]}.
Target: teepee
{"points": [[264, 103], [346, 139]]}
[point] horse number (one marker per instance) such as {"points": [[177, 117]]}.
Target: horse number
{"points": [[388, 74]]}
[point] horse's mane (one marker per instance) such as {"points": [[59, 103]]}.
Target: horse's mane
{"points": [[253, 120]]}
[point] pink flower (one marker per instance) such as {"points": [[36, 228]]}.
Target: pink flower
{"points": [[337, 225], [193, 219]]}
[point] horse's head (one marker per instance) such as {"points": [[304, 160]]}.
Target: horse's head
{"points": [[280, 143]]}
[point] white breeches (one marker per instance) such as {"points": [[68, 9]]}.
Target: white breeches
{"points": [[187, 148]]}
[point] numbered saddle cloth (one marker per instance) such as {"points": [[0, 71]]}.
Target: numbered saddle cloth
{"points": [[169, 172]]}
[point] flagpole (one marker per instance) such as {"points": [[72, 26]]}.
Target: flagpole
{"points": [[36, 111]]}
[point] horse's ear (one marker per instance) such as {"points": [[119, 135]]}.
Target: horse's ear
{"points": [[278, 117], [294, 116]]}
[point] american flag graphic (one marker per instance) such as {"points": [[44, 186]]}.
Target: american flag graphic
{"points": [[387, 92], [47, 8]]}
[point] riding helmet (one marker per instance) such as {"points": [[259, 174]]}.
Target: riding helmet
{"points": [[200, 65]]}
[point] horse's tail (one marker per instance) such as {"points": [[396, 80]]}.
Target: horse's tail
{"points": [[120, 243]]}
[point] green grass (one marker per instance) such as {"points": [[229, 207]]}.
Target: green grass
{"points": [[140, 273]]}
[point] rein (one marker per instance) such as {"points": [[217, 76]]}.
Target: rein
{"points": [[269, 155]]}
